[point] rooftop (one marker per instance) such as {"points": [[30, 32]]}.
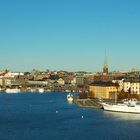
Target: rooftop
{"points": [[103, 84]]}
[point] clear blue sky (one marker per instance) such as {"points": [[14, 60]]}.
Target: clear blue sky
{"points": [[69, 34]]}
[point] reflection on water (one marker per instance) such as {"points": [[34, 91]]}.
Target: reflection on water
{"points": [[122, 116], [70, 102]]}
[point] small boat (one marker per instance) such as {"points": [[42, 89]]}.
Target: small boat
{"points": [[41, 90], [70, 97], [13, 90]]}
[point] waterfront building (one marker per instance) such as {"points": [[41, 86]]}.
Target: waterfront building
{"points": [[132, 86], [135, 87], [126, 85], [6, 81], [104, 90]]}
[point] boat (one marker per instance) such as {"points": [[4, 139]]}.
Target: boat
{"points": [[132, 106], [13, 90], [41, 90], [70, 97]]}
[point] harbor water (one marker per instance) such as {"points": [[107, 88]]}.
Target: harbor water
{"points": [[48, 116]]}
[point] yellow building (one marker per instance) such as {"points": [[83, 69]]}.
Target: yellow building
{"points": [[104, 90]]}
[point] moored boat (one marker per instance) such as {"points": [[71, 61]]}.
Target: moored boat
{"points": [[70, 97], [41, 90], [129, 107], [14, 90]]}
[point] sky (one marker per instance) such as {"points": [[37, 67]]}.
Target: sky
{"points": [[69, 35]]}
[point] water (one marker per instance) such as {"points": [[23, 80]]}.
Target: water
{"points": [[49, 116]]}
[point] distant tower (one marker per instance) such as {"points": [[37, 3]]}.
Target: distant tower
{"points": [[105, 68]]}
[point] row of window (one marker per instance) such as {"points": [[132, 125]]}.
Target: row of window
{"points": [[132, 84], [133, 87]]}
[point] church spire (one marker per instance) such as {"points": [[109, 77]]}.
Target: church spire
{"points": [[105, 68]]}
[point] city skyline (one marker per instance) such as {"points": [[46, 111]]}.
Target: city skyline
{"points": [[69, 35]]}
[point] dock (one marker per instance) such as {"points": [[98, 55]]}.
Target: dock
{"points": [[88, 103]]}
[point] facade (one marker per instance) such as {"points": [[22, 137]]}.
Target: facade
{"points": [[132, 86], [6, 81], [135, 88], [61, 81], [1, 81], [102, 90], [120, 84], [126, 86]]}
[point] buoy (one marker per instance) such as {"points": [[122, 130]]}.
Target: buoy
{"points": [[82, 116], [56, 111]]}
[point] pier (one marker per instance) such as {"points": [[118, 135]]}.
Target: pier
{"points": [[88, 103]]}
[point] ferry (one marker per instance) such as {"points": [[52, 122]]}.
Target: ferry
{"points": [[70, 97], [132, 106]]}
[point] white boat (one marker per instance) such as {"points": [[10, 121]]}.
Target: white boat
{"points": [[129, 107], [41, 90], [13, 90], [70, 97]]}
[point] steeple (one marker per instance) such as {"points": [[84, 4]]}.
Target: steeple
{"points": [[105, 68]]}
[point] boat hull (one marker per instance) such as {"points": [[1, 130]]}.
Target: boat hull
{"points": [[70, 97], [122, 108], [12, 90]]}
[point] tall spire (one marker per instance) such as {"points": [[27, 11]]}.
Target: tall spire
{"points": [[105, 68], [105, 60]]}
